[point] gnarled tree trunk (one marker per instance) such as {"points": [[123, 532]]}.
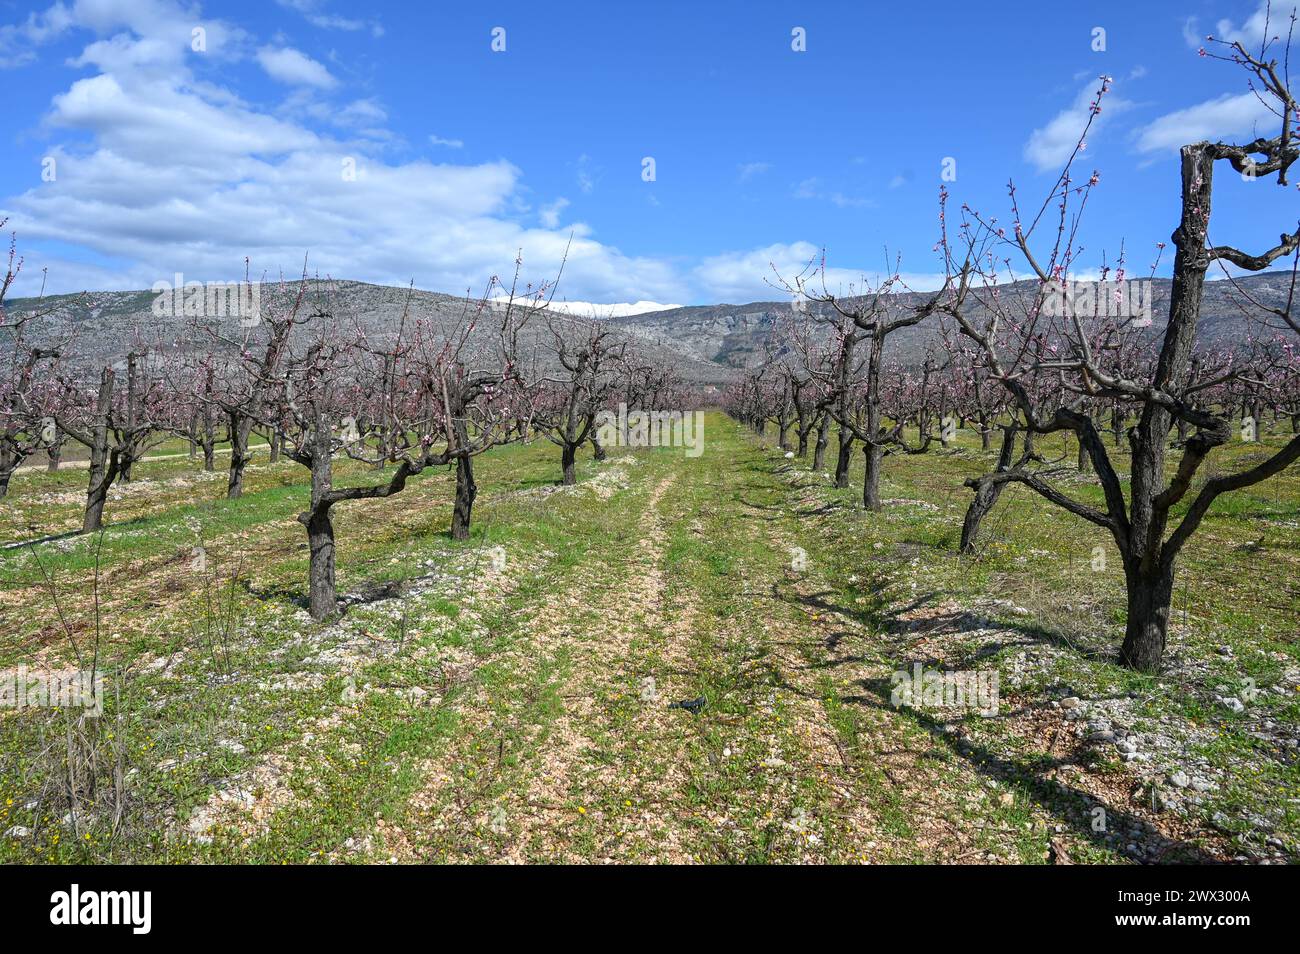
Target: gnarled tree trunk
{"points": [[466, 491]]}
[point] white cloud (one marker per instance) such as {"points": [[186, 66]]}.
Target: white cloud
{"points": [[449, 143], [758, 274], [361, 112], [311, 12], [747, 170], [1225, 116], [586, 178], [18, 42], [1050, 147], [550, 214], [160, 172], [811, 188], [294, 68], [1251, 32]]}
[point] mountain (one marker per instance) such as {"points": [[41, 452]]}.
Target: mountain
{"points": [[707, 344], [734, 335], [108, 325]]}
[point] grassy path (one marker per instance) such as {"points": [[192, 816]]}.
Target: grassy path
{"points": [[573, 752]]}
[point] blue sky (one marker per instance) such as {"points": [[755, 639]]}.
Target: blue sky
{"points": [[168, 159]]}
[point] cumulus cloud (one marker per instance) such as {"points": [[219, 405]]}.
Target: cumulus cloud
{"points": [[761, 274], [550, 214], [161, 171], [1050, 146], [294, 68], [18, 42], [1273, 19], [1223, 117]]}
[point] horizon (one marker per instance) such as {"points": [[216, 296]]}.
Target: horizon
{"points": [[580, 309]]}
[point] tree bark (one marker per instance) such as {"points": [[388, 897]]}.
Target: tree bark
{"points": [[240, 427], [54, 453], [987, 491], [1150, 595], [823, 438], [567, 456], [466, 491], [1148, 569], [103, 465], [842, 461], [321, 595], [871, 481], [320, 581]]}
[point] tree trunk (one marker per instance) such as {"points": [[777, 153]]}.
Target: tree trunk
{"points": [[987, 491], [566, 461], [321, 595], [1084, 460], [54, 454], [1148, 570], [823, 438], [320, 580], [1150, 595], [208, 440], [102, 469], [842, 461], [240, 426], [871, 481], [598, 450], [466, 491], [101, 479]]}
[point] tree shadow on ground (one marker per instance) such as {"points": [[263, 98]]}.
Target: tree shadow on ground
{"points": [[1031, 777]]}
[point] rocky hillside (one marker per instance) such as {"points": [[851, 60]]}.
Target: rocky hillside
{"points": [[734, 335], [706, 343], [108, 324]]}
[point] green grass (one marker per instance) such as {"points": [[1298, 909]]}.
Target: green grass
{"points": [[533, 738]]}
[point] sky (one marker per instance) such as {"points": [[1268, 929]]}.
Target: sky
{"points": [[682, 153]]}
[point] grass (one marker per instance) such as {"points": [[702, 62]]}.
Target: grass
{"points": [[479, 713]]}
